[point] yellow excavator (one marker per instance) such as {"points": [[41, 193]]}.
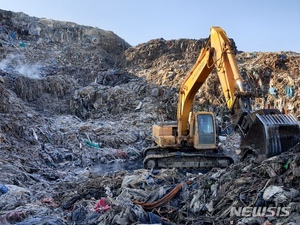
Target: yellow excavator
{"points": [[191, 141]]}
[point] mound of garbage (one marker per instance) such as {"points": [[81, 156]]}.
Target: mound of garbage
{"points": [[77, 106]]}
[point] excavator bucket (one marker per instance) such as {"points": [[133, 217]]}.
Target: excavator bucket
{"points": [[271, 135]]}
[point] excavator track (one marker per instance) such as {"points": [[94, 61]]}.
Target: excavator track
{"points": [[163, 158]]}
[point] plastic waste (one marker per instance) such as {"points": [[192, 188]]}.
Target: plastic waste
{"points": [[260, 200], [12, 35], [286, 165], [150, 181], [92, 144], [102, 205], [22, 44], [3, 189], [273, 91], [282, 56], [289, 91]]}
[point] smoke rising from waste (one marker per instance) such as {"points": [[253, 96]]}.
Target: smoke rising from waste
{"points": [[18, 64]]}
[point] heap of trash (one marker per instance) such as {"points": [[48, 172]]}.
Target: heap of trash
{"points": [[77, 106]]}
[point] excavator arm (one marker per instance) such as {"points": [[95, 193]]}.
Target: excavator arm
{"points": [[190, 87], [216, 54]]}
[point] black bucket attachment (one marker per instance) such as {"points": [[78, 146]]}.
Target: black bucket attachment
{"points": [[272, 134]]}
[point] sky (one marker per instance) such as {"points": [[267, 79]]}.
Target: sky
{"points": [[255, 25]]}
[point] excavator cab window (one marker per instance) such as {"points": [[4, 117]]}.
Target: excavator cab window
{"points": [[206, 129]]}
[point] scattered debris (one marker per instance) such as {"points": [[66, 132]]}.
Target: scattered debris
{"points": [[77, 104]]}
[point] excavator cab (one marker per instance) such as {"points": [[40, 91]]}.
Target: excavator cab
{"points": [[205, 131]]}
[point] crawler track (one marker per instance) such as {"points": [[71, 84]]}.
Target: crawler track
{"points": [[168, 158]]}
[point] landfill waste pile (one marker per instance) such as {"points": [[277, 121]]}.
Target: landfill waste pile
{"points": [[77, 105]]}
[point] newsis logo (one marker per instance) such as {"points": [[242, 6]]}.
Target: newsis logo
{"points": [[260, 211]]}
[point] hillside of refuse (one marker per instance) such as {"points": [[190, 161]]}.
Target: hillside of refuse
{"points": [[76, 108]]}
